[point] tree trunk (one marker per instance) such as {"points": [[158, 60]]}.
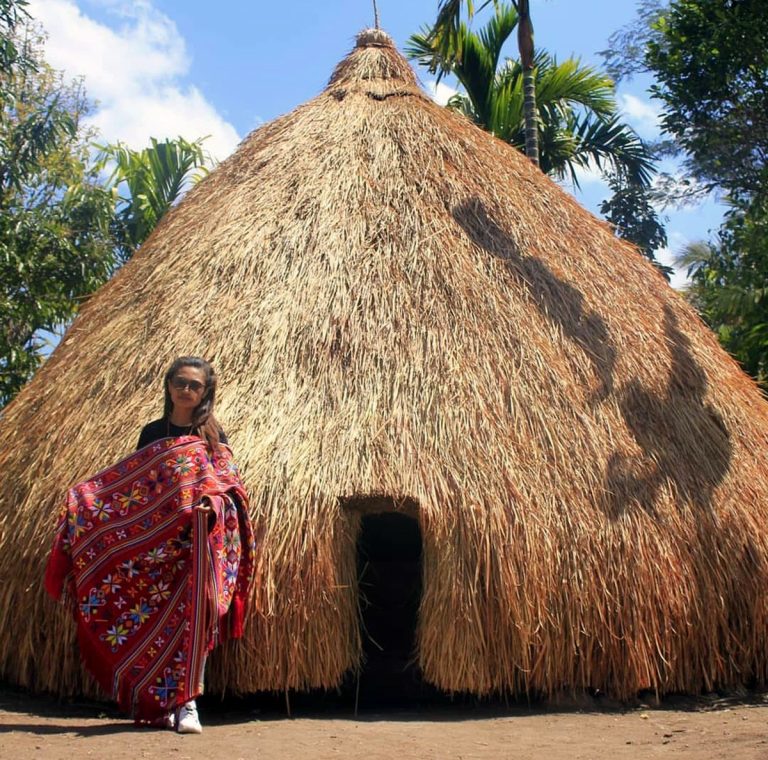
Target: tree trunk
{"points": [[525, 43]]}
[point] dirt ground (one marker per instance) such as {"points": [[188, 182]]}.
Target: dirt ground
{"points": [[40, 728]]}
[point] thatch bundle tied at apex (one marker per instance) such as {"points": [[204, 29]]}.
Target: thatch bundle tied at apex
{"points": [[405, 314]]}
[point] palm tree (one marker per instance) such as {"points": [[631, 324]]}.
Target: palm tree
{"points": [[154, 178], [445, 35], [577, 117]]}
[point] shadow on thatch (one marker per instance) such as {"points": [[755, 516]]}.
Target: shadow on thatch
{"points": [[674, 429], [558, 301], [684, 439]]}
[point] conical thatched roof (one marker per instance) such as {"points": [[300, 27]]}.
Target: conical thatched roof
{"points": [[403, 309]]}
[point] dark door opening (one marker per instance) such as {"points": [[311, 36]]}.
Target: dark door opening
{"points": [[389, 573]]}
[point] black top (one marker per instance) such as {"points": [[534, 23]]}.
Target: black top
{"points": [[163, 428]]}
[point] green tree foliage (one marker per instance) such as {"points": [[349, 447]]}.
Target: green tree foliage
{"points": [[55, 242], [12, 14], [634, 218], [710, 60], [147, 183], [63, 228], [625, 55], [729, 286]]}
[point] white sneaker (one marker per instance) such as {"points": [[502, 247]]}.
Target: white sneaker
{"points": [[188, 721]]}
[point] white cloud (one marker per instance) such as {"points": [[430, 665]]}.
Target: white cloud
{"points": [[676, 242], [134, 70], [440, 92], [643, 115]]}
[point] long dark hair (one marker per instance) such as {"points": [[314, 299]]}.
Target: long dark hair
{"points": [[202, 417]]}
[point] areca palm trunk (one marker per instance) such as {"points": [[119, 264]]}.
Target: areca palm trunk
{"points": [[525, 43]]}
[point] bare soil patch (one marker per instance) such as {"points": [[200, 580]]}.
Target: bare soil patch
{"points": [[42, 728]]}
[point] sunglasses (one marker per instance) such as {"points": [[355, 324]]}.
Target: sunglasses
{"points": [[180, 384]]}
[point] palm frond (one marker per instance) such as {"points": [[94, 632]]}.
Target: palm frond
{"points": [[476, 67], [506, 116], [694, 256], [463, 105], [148, 182], [571, 82], [445, 33], [497, 31], [609, 142], [423, 49]]}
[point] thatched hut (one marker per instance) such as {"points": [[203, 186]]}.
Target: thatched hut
{"points": [[410, 319]]}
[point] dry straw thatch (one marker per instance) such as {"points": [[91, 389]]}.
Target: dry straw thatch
{"points": [[402, 308]]}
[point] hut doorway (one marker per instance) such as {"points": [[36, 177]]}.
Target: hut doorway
{"points": [[389, 549]]}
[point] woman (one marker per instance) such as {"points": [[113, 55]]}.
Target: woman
{"points": [[157, 554], [190, 391]]}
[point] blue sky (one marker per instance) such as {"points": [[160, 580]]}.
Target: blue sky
{"points": [[195, 67]]}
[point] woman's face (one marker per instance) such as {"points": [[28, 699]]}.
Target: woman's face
{"points": [[187, 388]]}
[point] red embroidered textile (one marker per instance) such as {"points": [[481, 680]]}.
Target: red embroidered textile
{"points": [[157, 554]]}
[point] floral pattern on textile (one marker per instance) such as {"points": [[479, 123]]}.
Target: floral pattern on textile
{"points": [[143, 549]]}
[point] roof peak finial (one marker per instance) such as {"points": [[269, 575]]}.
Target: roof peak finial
{"points": [[376, 15], [373, 38]]}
